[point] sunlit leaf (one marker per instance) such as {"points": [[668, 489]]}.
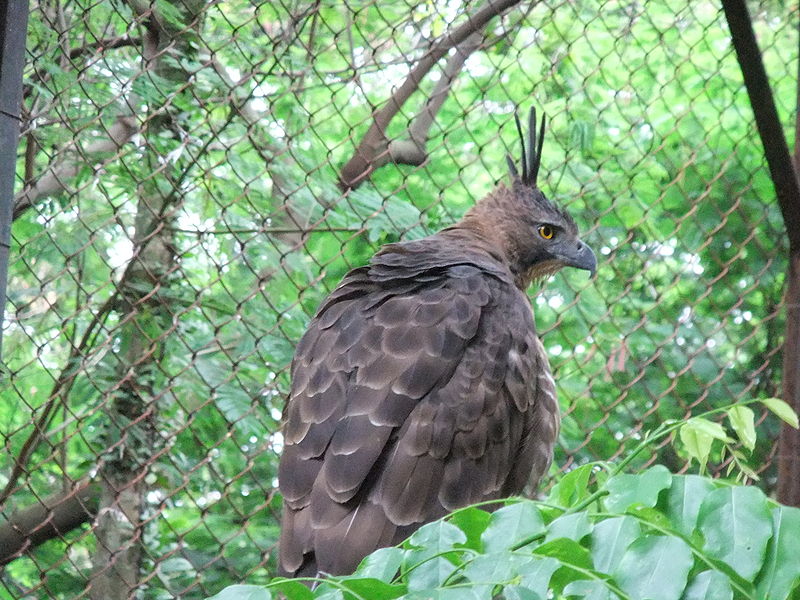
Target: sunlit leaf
{"points": [[654, 567], [782, 410], [736, 524], [742, 420]]}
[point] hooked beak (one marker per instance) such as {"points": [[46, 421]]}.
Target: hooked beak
{"points": [[579, 256]]}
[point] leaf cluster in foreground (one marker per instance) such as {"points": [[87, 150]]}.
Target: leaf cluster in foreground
{"points": [[652, 535]]}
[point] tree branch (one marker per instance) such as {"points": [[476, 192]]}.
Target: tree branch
{"points": [[104, 44], [49, 518], [373, 150], [413, 150], [57, 176]]}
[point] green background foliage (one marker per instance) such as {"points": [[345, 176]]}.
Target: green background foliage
{"points": [[240, 125]]}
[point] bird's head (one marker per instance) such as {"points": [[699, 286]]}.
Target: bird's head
{"points": [[536, 237]]}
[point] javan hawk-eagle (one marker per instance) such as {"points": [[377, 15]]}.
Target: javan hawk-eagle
{"points": [[421, 385]]}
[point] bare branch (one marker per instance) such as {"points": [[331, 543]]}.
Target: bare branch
{"points": [[374, 146], [58, 176], [100, 46], [49, 518], [413, 150]]}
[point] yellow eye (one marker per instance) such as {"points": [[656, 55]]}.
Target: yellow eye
{"points": [[546, 232]]}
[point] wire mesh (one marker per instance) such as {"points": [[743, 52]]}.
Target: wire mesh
{"points": [[181, 214]]}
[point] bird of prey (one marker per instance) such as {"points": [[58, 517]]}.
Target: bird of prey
{"points": [[421, 385]]}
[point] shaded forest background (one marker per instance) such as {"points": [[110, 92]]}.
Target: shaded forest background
{"points": [[191, 184]]}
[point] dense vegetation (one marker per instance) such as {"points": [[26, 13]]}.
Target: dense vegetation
{"points": [[180, 217], [601, 534]]}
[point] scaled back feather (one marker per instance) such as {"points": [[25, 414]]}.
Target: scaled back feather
{"points": [[421, 385]]}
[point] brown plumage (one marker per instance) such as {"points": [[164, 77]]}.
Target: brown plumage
{"points": [[421, 385]]}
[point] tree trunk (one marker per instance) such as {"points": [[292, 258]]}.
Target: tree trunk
{"points": [[146, 320]]}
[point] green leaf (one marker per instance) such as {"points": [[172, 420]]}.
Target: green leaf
{"points": [[782, 410], [684, 498], [502, 568], [434, 538], [736, 524], [518, 592], [742, 420], [574, 526], [489, 570], [626, 490], [373, 589], [291, 589], [712, 428], [654, 567], [459, 593], [382, 564], [428, 569], [573, 558], [572, 487], [535, 575], [610, 540], [698, 435], [512, 524], [781, 571], [473, 522], [589, 590], [709, 585], [245, 592]]}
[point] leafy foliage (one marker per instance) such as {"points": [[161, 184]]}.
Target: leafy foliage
{"points": [[650, 145], [600, 534], [652, 536]]}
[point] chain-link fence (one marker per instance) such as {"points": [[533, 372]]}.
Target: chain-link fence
{"points": [[194, 177]]}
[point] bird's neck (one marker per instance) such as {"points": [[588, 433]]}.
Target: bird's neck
{"points": [[480, 235]]}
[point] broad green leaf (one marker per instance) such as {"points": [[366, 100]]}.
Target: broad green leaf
{"points": [[782, 410], [626, 490], [654, 567], [373, 589], [535, 575], [569, 554], [501, 568], [427, 568], [512, 524], [473, 522], [712, 428], [245, 592], [435, 537], [574, 526], [684, 498], [781, 572], [518, 592], [487, 571], [567, 551], [708, 585], [736, 524], [325, 592], [742, 421], [572, 487], [589, 589], [382, 564], [449, 593], [291, 589], [610, 539]]}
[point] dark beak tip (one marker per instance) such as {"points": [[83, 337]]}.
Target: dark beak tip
{"points": [[588, 260]]}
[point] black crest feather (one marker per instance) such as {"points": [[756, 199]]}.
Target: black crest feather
{"points": [[532, 155]]}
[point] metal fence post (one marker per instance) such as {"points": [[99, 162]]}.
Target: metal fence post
{"points": [[13, 24]]}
